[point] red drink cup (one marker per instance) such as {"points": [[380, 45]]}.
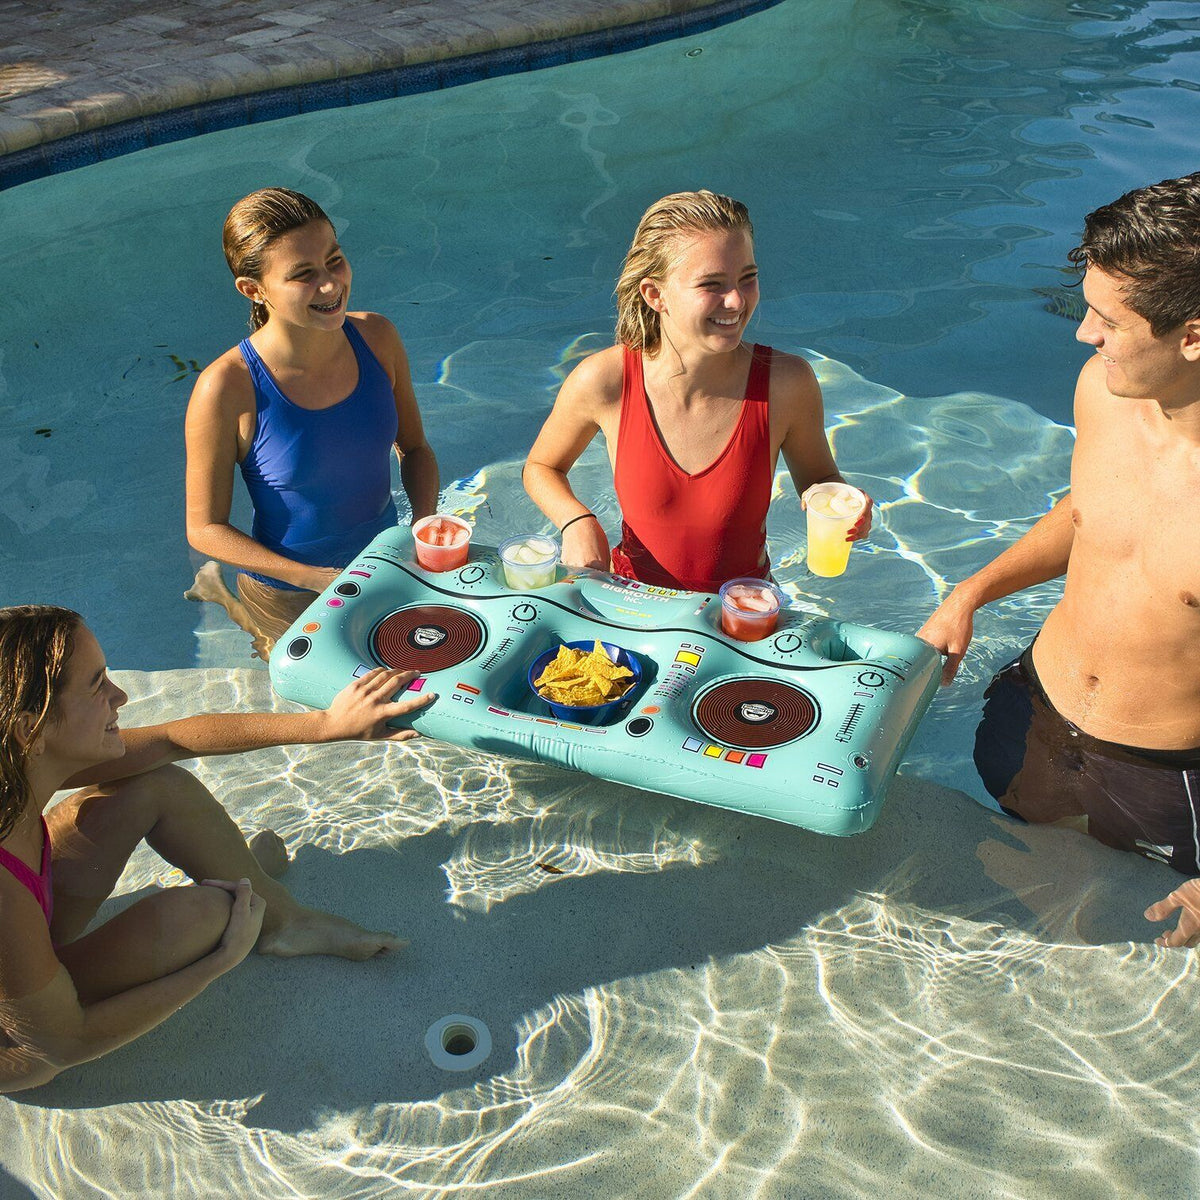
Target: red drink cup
{"points": [[441, 542], [749, 609]]}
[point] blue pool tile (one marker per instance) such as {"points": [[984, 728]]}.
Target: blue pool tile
{"points": [[509, 61], [222, 114], [123, 138], [377, 85], [78, 150], [314, 97], [630, 39], [272, 104], [421, 78], [664, 29], [174, 126], [590, 45], [549, 54], [23, 166], [456, 71]]}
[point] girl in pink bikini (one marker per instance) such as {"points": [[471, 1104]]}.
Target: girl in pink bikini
{"points": [[66, 995], [694, 417]]}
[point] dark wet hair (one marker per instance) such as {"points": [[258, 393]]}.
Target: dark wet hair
{"points": [[254, 223], [36, 643], [1151, 238]]}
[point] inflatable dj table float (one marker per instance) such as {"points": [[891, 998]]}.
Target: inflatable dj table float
{"points": [[806, 726]]}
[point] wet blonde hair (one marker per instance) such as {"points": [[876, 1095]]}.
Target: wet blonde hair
{"points": [[656, 249], [36, 643], [257, 221]]}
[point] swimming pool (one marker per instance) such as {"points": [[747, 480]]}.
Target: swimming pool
{"points": [[923, 1003]]}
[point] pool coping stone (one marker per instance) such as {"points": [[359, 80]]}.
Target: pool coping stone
{"points": [[60, 110]]}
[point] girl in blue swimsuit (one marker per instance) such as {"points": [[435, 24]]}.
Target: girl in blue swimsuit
{"points": [[309, 407]]}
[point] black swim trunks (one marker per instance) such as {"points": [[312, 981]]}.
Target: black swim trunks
{"points": [[1041, 768]]}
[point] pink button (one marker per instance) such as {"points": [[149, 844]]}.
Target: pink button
{"points": [[417, 684], [755, 760], [335, 603]]}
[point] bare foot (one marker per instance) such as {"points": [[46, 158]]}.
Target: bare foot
{"points": [[269, 849], [307, 931], [209, 584]]}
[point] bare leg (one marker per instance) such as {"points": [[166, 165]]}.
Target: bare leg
{"points": [[160, 934], [94, 832], [210, 585], [271, 851]]}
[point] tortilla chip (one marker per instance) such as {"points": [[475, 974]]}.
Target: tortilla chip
{"points": [[582, 680]]}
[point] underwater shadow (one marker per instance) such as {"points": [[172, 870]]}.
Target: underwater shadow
{"points": [[314, 1036]]}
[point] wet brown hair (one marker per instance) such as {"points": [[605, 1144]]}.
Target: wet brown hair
{"points": [[254, 223], [1150, 240], [655, 250], [36, 643]]}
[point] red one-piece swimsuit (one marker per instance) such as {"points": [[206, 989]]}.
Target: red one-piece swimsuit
{"points": [[693, 531]]}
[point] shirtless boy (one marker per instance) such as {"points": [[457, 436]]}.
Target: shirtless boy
{"points": [[66, 995], [1097, 724]]}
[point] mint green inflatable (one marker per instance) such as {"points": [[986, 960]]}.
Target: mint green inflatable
{"points": [[806, 726]]}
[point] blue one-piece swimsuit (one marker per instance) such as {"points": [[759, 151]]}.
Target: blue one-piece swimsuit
{"points": [[320, 480]]}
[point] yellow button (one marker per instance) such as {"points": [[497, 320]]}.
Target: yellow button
{"points": [[688, 656], [713, 751]]}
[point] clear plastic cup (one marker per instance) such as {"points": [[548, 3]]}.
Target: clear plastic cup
{"points": [[530, 561], [833, 509], [441, 542], [749, 608]]}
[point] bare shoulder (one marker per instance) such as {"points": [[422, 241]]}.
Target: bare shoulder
{"points": [[1100, 417], [1091, 390], [796, 408], [223, 388], [793, 382], [595, 384], [376, 329]]}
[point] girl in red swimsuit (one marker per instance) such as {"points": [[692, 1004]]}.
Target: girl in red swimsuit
{"points": [[693, 416], [67, 996]]}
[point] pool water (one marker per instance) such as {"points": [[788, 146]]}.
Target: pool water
{"points": [[875, 1010]]}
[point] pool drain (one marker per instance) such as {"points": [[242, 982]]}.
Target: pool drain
{"points": [[458, 1043]]}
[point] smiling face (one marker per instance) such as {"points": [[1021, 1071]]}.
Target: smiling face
{"points": [[710, 292], [1137, 364], [83, 730], [305, 279]]}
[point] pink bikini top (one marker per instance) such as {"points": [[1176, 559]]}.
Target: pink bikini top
{"points": [[39, 885]]}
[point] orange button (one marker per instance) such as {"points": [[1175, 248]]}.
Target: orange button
{"points": [[651, 709], [312, 627], [735, 756]]}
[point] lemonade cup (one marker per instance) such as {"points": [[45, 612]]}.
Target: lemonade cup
{"points": [[441, 542], [833, 510], [530, 561], [749, 608]]}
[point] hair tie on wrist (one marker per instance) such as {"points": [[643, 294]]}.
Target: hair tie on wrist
{"points": [[581, 517]]}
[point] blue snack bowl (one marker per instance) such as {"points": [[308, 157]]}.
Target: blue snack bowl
{"points": [[590, 714]]}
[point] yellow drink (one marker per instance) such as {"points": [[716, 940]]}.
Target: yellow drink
{"points": [[828, 550], [833, 509]]}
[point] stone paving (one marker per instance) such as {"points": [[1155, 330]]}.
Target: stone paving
{"points": [[76, 65]]}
